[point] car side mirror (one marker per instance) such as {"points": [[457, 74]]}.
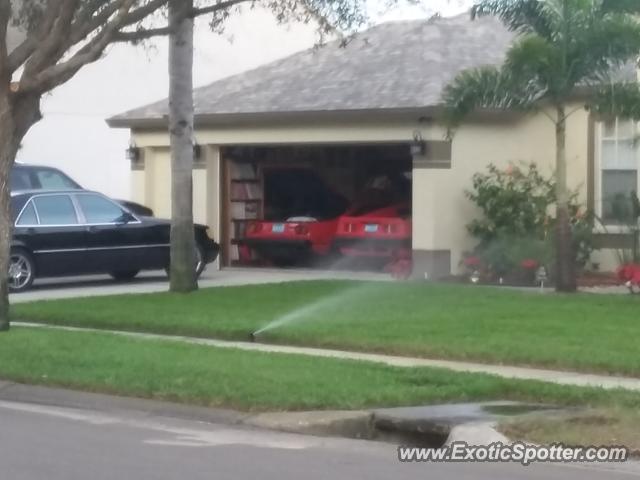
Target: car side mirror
{"points": [[125, 218]]}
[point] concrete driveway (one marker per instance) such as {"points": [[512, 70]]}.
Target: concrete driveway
{"points": [[148, 282]]}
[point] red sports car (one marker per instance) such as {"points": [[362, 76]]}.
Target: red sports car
{"points": [[291, 241], [301, 219], [379, 232], [380, 226]]}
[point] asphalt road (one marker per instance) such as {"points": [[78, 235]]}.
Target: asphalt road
{"points": [[43, 442]]}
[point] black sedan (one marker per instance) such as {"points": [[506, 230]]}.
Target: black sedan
{"points": [[76, 232], [35, 177]]}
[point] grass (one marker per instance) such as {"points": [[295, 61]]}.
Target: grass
{"points": [[253, 380], [604, 426], [597, 333]]}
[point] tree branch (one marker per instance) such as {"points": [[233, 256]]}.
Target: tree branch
{"points": [[198, 12], [56, 74], [134, 36], [5, 72], [142, 34]]}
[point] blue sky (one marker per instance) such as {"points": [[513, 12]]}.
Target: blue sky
{"points": [[73, 135]]}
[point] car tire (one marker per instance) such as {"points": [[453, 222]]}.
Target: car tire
{"points": [[201, 263], [22, 270], [124, 275]]}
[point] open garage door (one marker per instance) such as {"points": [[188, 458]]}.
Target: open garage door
{"points": [[317, 206]]}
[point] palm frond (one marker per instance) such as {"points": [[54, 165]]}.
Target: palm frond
{"points": [[487, 88], [523, 16], [532, 59], [599, 51], [621, 6], [617, 100]]}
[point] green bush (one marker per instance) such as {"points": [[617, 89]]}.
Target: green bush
{"points": [[516, 227], [514, 203]]}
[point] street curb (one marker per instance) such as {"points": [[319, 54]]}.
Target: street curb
{"points": [[354, 424], [75, 399]]}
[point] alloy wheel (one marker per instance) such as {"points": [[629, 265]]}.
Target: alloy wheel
{"points": [[20, 271]]}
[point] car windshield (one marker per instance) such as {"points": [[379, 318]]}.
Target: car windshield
{"points": [[381, 192]]}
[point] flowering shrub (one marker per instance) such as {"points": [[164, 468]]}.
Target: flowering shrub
{"points": [[630, 275], [514, 203], [472, 262], [515, 232]]}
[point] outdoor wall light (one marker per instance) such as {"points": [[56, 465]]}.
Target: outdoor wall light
{"points": [[418, 146], [197, 152], [133, 153]]}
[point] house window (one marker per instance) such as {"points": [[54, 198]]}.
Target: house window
{"points": [[619, 170]]}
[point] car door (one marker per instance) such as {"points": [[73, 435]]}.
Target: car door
{"points": [[58, 239], [116, 240]]}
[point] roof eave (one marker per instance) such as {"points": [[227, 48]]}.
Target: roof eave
{"points": [[227, 119]]}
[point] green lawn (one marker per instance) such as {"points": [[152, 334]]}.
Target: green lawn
{"points": [[255, 381], [583, 332]]}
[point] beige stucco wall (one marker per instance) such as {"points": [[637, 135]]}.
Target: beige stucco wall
{"points": [[152, 185], [440, 208]]}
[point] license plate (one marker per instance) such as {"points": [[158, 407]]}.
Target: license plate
{"points": [[277, 228], [371, 228]]}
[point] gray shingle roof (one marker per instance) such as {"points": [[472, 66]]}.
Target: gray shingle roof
{"points": [[394, 65]]}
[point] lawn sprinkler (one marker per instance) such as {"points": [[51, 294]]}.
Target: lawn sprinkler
{"points": [[542, 276], [253, 337]]}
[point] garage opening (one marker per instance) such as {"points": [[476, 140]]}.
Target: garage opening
{"points": [[316, 206]]}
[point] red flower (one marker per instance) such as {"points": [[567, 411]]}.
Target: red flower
{"points": [[630, 273], [529, 264], [472, 262]]}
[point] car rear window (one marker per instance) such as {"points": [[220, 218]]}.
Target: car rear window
{"points": [[53, 180], [40, 178], [20, 180]]}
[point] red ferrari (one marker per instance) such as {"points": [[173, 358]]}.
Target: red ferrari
{"points": [[380, 226], [378, 232], [291, 241], [308, 219], [301, 220]]}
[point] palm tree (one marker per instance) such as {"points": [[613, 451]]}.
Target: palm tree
{"points": [[566, 51], [181, 121]]}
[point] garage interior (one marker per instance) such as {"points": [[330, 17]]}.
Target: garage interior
{"points": [[275, 183]]}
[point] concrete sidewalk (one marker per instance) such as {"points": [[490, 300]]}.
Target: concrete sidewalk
{"points": [[523, 373]]}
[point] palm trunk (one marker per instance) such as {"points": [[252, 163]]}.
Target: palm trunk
{"points": [[565, 255], [181, 117]]}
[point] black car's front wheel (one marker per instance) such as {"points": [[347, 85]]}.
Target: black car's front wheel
{"points": [[124, 275], [200, 264], [22, 270]]}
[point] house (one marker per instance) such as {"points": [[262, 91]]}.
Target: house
{"points": [[351, 111]]}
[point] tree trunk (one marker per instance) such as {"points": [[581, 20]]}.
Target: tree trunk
{"points": [[181, 113], [565, 254], [7, 158], [17, 115]]}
